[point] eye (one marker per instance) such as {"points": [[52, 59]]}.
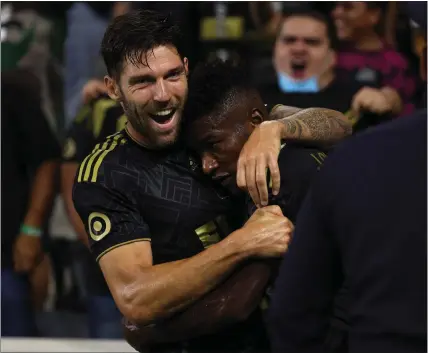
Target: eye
{"points": [[312, 42], [174, 75]]}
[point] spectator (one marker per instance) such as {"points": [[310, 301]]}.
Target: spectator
{"points": [[86, 22], [365, 57], [29, 150], [97, 120], [30, 31], [304, 59]]}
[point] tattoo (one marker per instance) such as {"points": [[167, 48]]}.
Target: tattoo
{"points": [[324, 126], [293, 127]]}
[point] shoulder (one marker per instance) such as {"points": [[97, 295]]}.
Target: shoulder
{"points": [[296, 159], [377, 151], [108, 155], [395, 58]]}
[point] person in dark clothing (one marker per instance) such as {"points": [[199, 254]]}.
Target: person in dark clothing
{"points": [[362, 226], [29, 162], [360, 245], [97, 120]]}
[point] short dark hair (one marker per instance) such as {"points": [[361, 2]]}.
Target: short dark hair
{"points": [[214, 87], [135, 33], [305, 11]]}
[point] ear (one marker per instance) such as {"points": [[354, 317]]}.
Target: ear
{"points": [[112, 88], [256, 117], [186, 66]]}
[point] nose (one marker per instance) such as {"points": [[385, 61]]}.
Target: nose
{"points": [[209, 164], [298, 46], [162, 93]]}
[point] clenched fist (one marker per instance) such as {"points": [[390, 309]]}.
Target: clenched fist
{"points": [[266, 234], [372, 100]]}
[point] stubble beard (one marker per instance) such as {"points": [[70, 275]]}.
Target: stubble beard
{"points": [[152, 138]]}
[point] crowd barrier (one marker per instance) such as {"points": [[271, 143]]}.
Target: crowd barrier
{"points": [[63, 345]]}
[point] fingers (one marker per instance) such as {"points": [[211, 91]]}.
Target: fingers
{"points": [[274, 209], [250, 175], [20, 262], [274, 174], [92, 90], [241, 179], [261, 181]]}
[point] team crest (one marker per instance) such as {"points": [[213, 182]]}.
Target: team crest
{"points": [[99, 225]]}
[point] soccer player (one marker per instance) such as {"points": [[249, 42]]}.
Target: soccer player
{"points": [[222, 110], [156, 225], [94, 123]]}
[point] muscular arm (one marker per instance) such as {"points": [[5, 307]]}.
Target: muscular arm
{"points": [[320, 126], [147, 293], [232, 301]]}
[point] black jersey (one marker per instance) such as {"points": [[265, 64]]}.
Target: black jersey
{"points": [[298, 165], [125, 193], [93, 124], [95, 121]]}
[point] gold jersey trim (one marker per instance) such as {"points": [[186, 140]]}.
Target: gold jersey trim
{"points": [[89, 174], [121, 244]]}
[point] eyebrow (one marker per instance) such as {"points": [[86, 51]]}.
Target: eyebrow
{"points": [[147, 77]]}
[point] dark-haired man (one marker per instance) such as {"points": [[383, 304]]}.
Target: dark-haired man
{"points": [[305, 58], [157, 227], [218, 127]]}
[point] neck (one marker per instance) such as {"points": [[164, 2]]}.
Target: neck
{"points": [[368, 42], [137, 137]]}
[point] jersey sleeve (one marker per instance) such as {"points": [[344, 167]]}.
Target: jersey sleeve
{"points": [[80, 139], [111, 217]]}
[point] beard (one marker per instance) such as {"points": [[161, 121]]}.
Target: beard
{"points": [[142, 123]]}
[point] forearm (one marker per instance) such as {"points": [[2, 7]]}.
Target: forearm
{"points": [[232, 301], [42, 194], [68, 171], [319, 126], [162, 290]]}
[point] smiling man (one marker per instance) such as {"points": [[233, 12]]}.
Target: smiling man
{"points": [[162, 232]]}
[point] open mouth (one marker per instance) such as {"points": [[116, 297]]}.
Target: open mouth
{"points": [[298, 69], [163, 116]]}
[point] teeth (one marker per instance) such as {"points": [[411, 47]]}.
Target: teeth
{"points": [[163, 112]]}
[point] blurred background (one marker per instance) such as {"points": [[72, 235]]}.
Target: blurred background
{"points": [[337, 55]]}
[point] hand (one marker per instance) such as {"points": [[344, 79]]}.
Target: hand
{"points": [[259, 153], [92, 90], [266, 234], [39, 281], [372, 100], [27, 253]]}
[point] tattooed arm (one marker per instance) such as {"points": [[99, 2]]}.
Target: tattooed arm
{"points": [[320, 126]]}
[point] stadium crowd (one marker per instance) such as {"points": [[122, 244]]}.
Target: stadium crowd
{"points": [[365, 60]]}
